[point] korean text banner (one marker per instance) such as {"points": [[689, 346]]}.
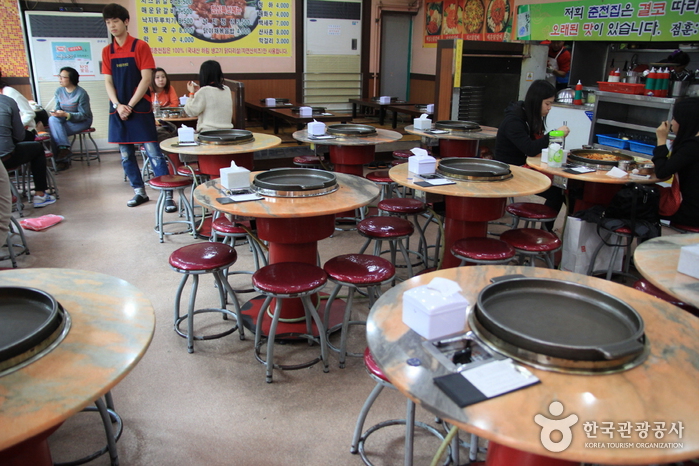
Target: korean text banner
{"points": [[251, 28], [670, 20], [488, 20]]}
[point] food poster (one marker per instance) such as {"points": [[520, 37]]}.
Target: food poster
{"points": [[633, 20], [250, 28], [488, 20]]}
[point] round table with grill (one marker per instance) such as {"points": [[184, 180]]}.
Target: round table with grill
{"points": [[661, 390], [457, 142]]}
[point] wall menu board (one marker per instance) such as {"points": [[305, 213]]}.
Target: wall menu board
{"points": [[250, 28], [646, 20], [484, 20]]}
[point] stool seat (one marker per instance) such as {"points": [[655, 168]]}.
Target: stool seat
{"points": [[372, 367], [307, 160], [531, 239], [385, 227], [88, 130], [402, 154], [286, 278], [483, 249], [380, 176], [186, 170], [170, 181], [40, 137], [203, 256], [223, 225], [531, 210], [359, 269], [685, 228], [402, 205]]}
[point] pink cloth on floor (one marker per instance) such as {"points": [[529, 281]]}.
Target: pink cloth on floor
{"points": [[40, 223]]}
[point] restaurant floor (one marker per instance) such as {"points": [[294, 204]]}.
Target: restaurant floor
{"points": [[211, 407]]}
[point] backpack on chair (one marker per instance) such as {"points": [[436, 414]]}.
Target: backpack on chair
{"points": [[635, 206]]}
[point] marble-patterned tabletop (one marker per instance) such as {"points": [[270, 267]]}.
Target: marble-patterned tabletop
{"points": [[597, 176], [112, 326], [382, 136], [657, 260], [260, 141], [486, 132], [662, 389]]}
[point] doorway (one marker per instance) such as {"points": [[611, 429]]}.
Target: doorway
{"points": [[396, 31]]}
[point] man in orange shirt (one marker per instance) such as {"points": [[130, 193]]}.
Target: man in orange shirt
{"points": [[560, 56]]}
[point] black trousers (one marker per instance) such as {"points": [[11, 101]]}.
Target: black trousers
{"points": [[33, 154]]}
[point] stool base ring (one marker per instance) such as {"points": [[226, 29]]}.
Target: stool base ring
{"points": [[396, 422], [289, 367], [225, 313], [337, 327]]}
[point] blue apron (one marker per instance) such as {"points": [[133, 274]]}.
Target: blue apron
{"points": [[140, 126]]}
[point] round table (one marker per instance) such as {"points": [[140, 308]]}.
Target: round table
{"points": [[470, 205], [179, 121], [349, 154], [662, 389], [657, 260], [457, 143], [213, 157], [293, 227], [112, 326], [598, 188]]}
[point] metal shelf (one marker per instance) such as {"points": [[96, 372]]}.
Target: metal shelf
{"points": [[621, 124]]}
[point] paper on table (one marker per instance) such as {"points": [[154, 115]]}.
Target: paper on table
{"points": [[616, 172], [582, 169], [439, 181], [245, 197], [499, 377]]}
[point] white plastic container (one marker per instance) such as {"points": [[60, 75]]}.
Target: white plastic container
{"points": [[385, 99], [430, 108], [235, 177], [270, 101], [435, 310], [545, 155], [689, 260], [421, 163], [305, 111], [316, 128], [422, 123], [185, 134]]}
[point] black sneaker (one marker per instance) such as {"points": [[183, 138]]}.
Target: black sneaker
{"points": [[137, 200], [170, 206]]}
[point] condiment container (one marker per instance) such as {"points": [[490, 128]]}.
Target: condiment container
{"points": [[435, 310], [625, 165], [688, 263], [555, 150], [647, 168], [235, 177]]}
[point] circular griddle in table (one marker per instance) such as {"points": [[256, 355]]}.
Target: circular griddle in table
{"points": [[470, 169], [457, 125], [348, 129], [295, 182], [579, 156], [226, 136]]}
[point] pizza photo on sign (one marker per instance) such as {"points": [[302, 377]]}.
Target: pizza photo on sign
{"points": [[498, 15], [433, 23], [217, 20], [474, 14]]}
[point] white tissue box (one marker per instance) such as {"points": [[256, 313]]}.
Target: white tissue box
{"points": [[305, 111], [235, 177], [432, 315], [270, 102], [316, 128], [422, 165], [430, 108], [385, 99], [183, 100], [689, 260], [185, 134], [422, 123]]}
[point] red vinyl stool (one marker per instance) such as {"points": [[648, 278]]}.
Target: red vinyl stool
{"points": [[403, 207], [359, 439], [620, 238], [354, 271], [684, 228], [231, 233], [289, 280], [534, 243], [172, 183], [197, 259], [391, 229], [84, 153], [648, 287], [309, 161], [480, 250], [384, 181], [531, 213], [402, 155]]}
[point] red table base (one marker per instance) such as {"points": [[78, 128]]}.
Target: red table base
{"points": [[212, 164], [468, 216], [458, 148], [349, 159], [500, 455], [596, 194], [33, 451]]}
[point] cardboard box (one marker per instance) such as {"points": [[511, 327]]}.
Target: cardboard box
{"points": [[435, 310], [689, 260]]}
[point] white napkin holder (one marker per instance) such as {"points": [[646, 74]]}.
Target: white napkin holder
{"points": [[183, 100], [435, 310], [270, 101], [545, 155], [423, 122], [430, 108], [305, 111], [316, 128], [185, 134], [689, 260], [421, 163], [235, 177], [385, 100]]}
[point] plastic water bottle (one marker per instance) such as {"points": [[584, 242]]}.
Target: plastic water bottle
{"points": [[156, 107], [556, 148]]}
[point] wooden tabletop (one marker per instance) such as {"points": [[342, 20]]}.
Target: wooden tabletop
{"points": [[260, 141], [486, 132], [664, 388], [657, 260], [263, 105], [523, 183], [294, 116], [599, 176], [112, 326], [353, 192], [382, 136], [371, 102]]}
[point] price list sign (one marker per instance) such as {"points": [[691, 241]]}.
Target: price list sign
{"points": [[250, 28]]}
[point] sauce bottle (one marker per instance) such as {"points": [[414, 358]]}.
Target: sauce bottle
{"points": [[577, 100]]}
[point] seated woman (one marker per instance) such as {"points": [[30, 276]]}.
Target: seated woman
{"points": [[71, 115], [684, 158], [164, 93], [25, 109], [212, 103], [521, 133]]}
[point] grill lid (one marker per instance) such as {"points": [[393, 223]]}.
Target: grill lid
{"points": [[472, 169], [582, 156], [226, 136], [457, 125], [295, 182], [351, 130]]}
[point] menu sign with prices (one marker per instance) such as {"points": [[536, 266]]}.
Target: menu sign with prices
{"points": [[668, 20], [250, 28]]}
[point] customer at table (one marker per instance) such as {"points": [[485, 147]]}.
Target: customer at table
{"points": [[212, 102], [71, 115], [683, 159], [25, 109], [162, 91], [522, 133]]}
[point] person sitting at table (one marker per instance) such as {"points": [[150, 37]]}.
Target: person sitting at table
{"points": [[71, 115], [25, 109], [683, 158], [164, 93], [212, 103], [521, 134]]}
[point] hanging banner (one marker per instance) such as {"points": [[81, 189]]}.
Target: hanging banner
{"points": [[250, 28], [670, 20], [486, 20]]}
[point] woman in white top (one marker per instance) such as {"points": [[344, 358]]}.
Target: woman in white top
{"points": [[212, 103], [26, 111]]}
